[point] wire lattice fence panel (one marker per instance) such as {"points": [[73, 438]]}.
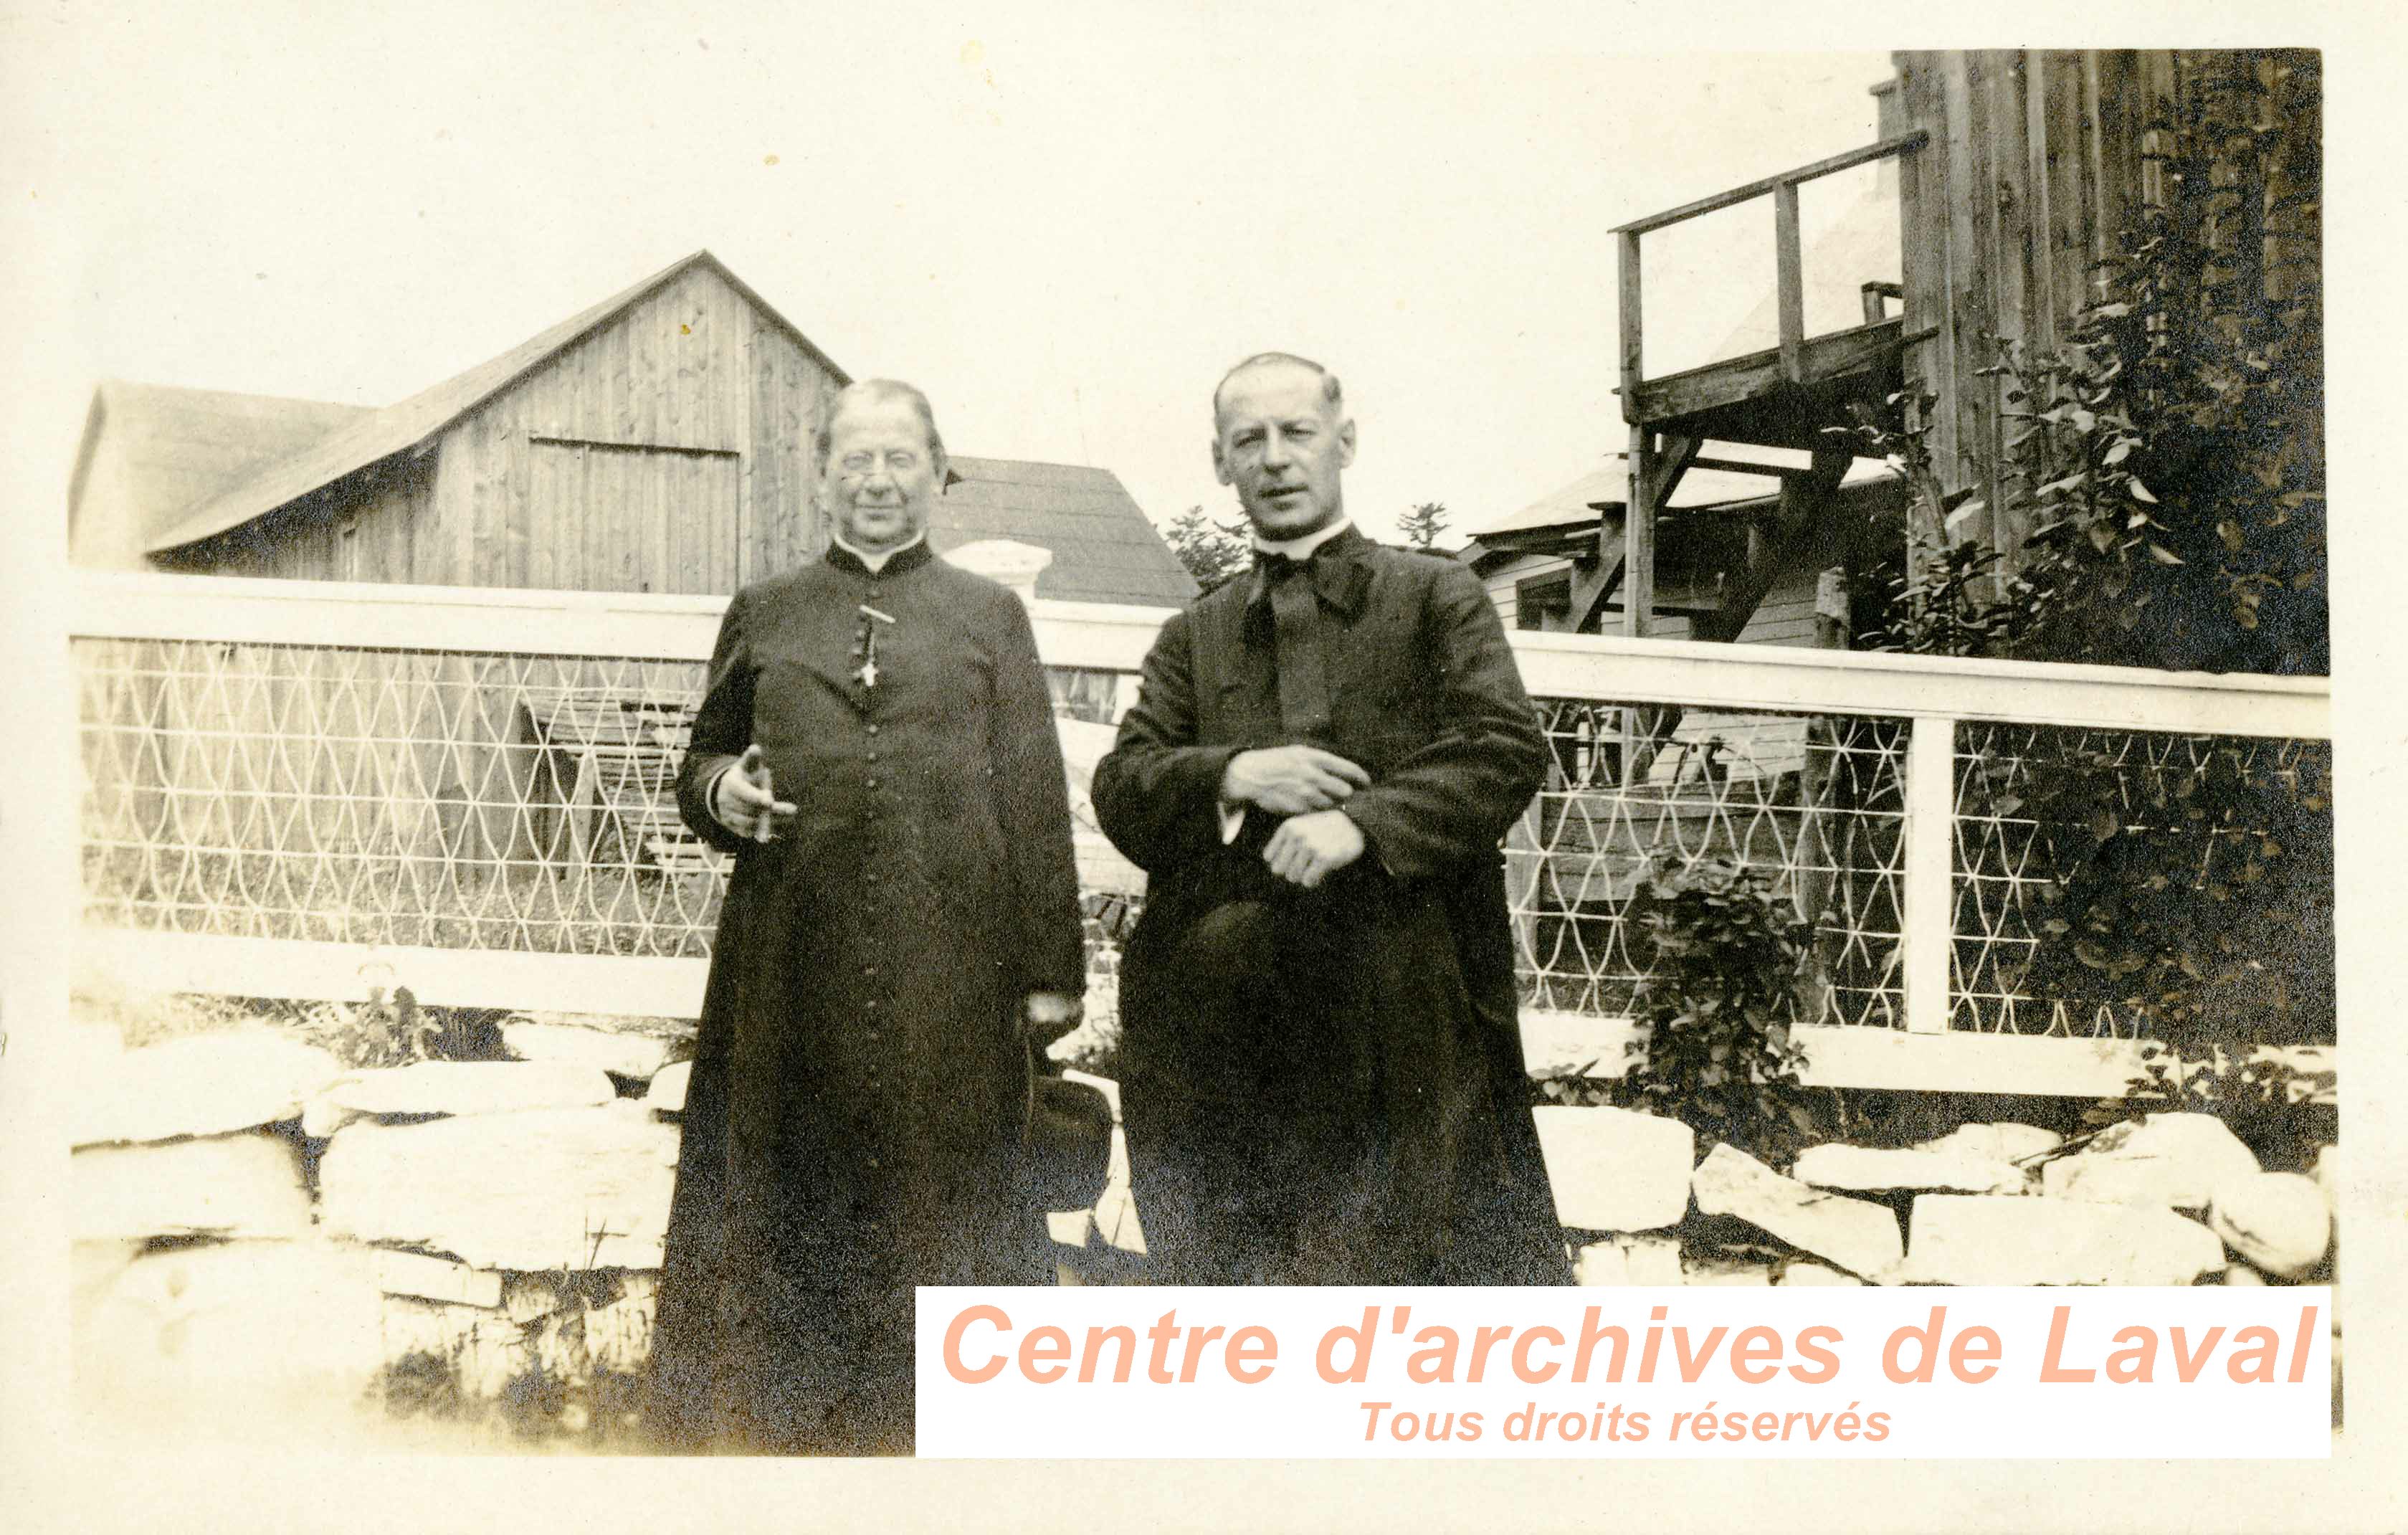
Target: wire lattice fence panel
{"points": [[420, 792], [1814, 802], [439, 800], [2004, 874], [445, 800]]}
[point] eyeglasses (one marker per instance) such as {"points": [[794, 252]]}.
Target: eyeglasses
{"points": [[861, 466]]}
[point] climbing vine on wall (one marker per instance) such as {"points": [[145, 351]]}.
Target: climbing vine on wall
{"points": [[2168, 456]]}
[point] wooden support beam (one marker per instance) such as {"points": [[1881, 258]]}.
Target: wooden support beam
{"points": [[1594, 583], [1804, 517], [1675, 455], [1628, 316], [1740, 465], [1789, 282], [1639, 536]]}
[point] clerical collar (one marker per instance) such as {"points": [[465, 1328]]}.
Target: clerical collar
{"points": [[875, 563], [1301, 547]]}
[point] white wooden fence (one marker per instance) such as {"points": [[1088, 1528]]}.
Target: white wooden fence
{"points": [[292, 785]]}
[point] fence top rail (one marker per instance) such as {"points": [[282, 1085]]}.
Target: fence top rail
{"points": [[503, 620], [1882, 150], [1113, 637], [1616, 669]]}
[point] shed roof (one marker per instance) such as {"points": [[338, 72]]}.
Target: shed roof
{"points": [[377, 434], [1579, 501], [1104, 548], [174, 448]]}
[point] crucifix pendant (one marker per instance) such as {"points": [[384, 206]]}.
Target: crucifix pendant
{"points": [[868, 642]]}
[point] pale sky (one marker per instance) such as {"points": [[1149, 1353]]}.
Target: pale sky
{"points": [[1064, 235]]}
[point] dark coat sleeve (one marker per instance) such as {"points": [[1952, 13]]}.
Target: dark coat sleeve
{"points": [[722, 728], [1032, 805], [1157, 792], [1449, 801]]}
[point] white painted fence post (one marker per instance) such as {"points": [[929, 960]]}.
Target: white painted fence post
{"points": [[1929, 872]]}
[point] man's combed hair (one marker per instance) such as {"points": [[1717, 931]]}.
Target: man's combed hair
{"points": [[874, 390], [1331, 390]]}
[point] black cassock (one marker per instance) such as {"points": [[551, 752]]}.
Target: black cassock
{"points": [[1326, 1086], [853, 1120]]}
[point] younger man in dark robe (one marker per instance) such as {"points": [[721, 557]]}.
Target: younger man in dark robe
{"points": [[1323, 1075]]}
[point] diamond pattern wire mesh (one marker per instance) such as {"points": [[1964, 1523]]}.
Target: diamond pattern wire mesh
{"points": [[467, 800], [2000, 869], [411, 798], [436, 798], [1815, 802]]}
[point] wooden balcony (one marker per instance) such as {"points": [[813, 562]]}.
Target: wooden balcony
{"points": [[1788, 396], [1721, 392]]}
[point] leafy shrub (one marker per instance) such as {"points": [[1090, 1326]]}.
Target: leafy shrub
{"points": [[2167, 458], [1727, 992]]}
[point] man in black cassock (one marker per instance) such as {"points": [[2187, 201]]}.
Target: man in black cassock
{"points": [[1323, 1077], [877, 749]]}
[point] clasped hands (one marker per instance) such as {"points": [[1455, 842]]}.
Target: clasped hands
{"points": [[1306, 785]]}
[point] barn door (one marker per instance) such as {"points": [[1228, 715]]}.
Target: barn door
{"points": [[622, 517]]}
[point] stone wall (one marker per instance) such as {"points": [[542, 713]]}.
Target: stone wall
{"points": [[2169, 1198], [262, 1236]]}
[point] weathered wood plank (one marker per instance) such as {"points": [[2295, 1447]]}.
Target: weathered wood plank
{"points": [[2011, 94], [1969, 280], [1924, 231], [2071, 151], [1755, 374], [1629, 315], [1639, 538], [1789, 283], [2114, 145], [1846, 161]]}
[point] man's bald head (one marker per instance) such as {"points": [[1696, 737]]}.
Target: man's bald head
{"points": [[1331, 392]]}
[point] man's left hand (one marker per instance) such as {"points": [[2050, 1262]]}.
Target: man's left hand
{"points": [[1045, 1016], [1308, 848]]}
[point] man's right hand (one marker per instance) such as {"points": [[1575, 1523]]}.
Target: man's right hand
{"points": [[745, 802], [1291, 780]]}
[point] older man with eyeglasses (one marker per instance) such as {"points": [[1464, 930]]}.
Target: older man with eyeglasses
{"points": [[877, 749]]}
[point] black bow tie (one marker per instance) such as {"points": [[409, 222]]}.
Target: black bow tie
{"points": [[1277, 566]]}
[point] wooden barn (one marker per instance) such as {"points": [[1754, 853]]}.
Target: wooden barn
{"points": [[658, 442]]}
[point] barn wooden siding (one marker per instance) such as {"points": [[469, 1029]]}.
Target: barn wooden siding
{"points": [[2037, 161], [667, 452]]}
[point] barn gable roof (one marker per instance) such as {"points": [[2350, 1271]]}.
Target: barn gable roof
{"points": [[205, 462], [173, 448], [379, 435], [1104, 548]]}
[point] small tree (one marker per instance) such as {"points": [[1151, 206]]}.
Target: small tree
{"points": [[1212, 551], [1421, 525]]}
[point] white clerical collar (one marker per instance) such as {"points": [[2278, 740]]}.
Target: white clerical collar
{"points": [[875, 562], [1300, 548]]}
